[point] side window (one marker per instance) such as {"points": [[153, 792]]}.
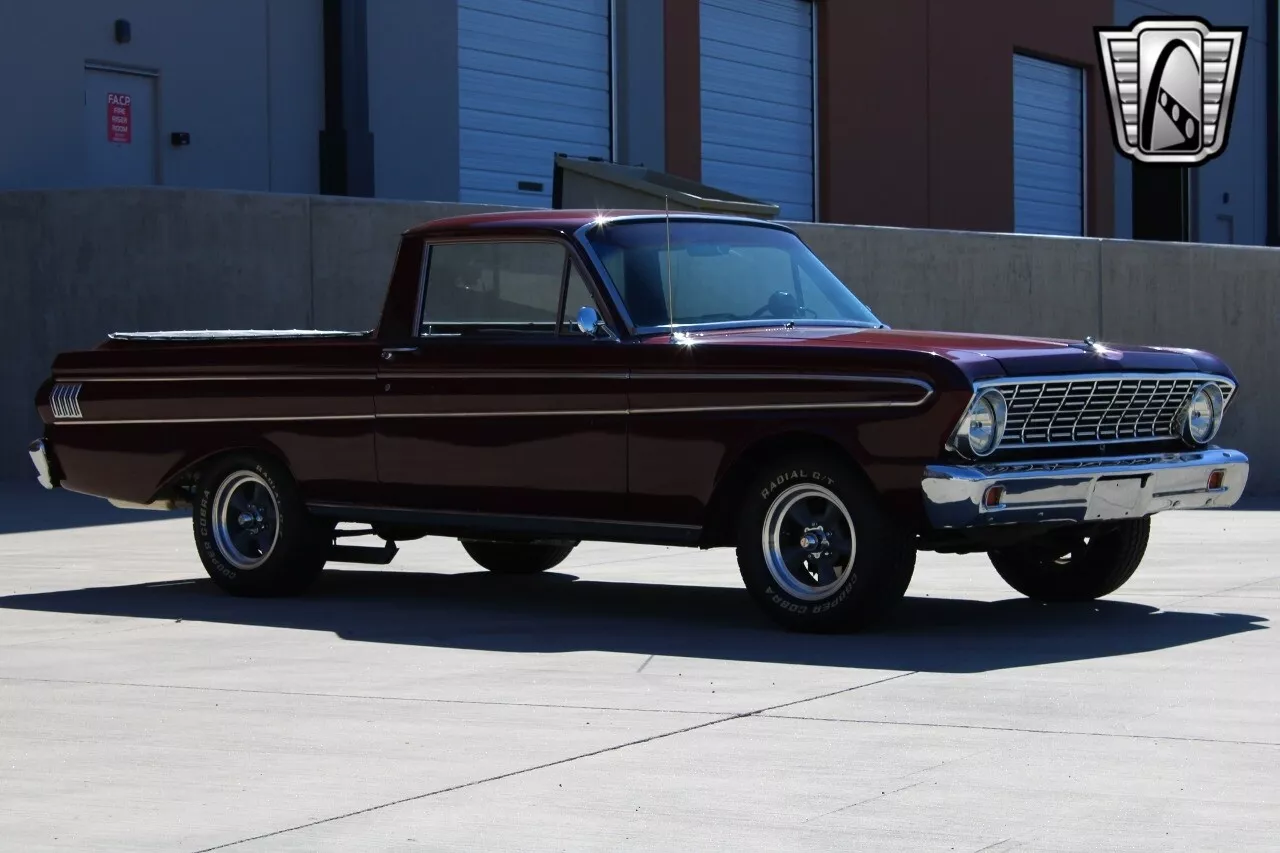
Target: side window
{"points": [[577, 296], [499, 286]]}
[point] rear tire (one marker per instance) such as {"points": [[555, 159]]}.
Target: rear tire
{"points": [[516, 558], [252, 530], [816, 551], [1072, 566]]}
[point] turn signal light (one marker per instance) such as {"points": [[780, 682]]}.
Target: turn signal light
{"points": [[1216, 478], [993, 497]]}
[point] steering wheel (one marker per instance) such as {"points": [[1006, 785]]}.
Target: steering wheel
{"points": [[783, 306]]}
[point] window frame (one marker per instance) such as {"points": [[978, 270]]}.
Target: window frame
{"points": [[495, 330]]}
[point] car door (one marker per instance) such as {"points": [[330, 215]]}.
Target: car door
{"points": [[498, 406]]}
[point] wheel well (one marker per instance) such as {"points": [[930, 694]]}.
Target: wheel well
{"points": [[719, 527], [181, 484]]}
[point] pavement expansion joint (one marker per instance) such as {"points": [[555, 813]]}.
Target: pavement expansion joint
{"points": [[558, 762], [1017, 730]]}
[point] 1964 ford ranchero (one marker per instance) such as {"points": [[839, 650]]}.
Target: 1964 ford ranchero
{"points": [[541, 378]]}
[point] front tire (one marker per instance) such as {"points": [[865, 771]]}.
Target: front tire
{"points": [[252, 530], [816, 551], [516, 558], [1073, 565]]}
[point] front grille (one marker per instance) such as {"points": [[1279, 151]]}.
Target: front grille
{"points": [[1096, 410]]}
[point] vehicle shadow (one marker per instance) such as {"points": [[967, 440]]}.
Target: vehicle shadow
{"points": [[558, 613], [25, 507]]}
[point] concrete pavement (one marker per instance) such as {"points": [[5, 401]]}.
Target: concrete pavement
{"points": [[631, 700]]}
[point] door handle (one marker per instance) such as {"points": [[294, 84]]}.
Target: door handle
{"points": [[390, 352]]}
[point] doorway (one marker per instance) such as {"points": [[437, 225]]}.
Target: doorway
{"points": [[1161, 203], [120, 128]]}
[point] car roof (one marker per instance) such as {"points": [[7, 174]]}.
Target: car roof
{"points": [[557, 220]]}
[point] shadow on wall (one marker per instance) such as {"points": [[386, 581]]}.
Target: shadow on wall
{"points": [[559, 613]]}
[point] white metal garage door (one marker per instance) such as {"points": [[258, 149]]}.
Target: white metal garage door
{"points": [[1048, 147], [757, 101], [533, 79]]}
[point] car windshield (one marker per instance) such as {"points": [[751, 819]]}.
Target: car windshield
{"points": [[722, 272]]}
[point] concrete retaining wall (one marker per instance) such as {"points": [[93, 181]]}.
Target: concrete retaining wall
{"points": [[76, 264]]}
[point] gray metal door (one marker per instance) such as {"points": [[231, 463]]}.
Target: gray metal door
{"points": [[533, 79], [119, 128], [1048, 147], [757, 101]]}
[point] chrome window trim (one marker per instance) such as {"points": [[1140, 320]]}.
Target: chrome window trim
{"points": [[772, 325], [420, 327], [602, 275], [620, 305]]}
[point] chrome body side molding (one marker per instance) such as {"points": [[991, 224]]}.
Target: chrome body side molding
{"points": [[64, 401]]}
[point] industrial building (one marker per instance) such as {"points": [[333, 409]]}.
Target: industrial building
{"points": [[959, 114]]}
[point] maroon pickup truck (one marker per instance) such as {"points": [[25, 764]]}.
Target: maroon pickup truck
{"points": [[546, 377]]}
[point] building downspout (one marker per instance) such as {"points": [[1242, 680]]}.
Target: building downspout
{"points": [[1273, 124], [346, 144]]}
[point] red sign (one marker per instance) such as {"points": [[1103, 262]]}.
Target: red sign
{"points": [[119, 117]]}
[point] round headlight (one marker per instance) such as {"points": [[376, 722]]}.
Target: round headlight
{"points": [[983, 424], [1201, 417]]}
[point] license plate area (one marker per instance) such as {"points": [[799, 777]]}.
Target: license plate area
{"points": [[1117, 497]]}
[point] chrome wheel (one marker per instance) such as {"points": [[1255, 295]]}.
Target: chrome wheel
{"points": [[809, 542], [246, 520]]}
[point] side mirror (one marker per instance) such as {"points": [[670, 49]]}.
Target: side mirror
{"points": [[590, 324]]}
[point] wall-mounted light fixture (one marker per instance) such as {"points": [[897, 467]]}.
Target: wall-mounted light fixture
{"points": [[124, 33]]}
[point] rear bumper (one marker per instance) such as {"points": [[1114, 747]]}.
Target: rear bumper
{"points": [[957, 496], [38, 450]]}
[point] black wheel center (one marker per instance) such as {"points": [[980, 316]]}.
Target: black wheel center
{"points": [[815, 541], [252, 520]]}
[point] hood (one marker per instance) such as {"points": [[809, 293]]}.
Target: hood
{"points": [[982, 356]]}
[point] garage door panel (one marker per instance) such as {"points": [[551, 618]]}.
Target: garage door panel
{"points": [[540, 44], [780, 185], [507, 198], [797, 60], [516, 154], [1033, 70], [1038, 174], [534, 15], [1046, 218], [1045, 114], [777, 11], [791, 113], [1045, 149], [757, 100], [488, 181], [776, 55], [755, 157], [490, 95], [534, 79], [772, 138], [564, 132], [510, 78], [1048, 147], [484, 85], [720, 77]]}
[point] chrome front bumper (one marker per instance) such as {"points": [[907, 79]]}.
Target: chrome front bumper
{"points": [[39, 453], [1076, 490]]}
